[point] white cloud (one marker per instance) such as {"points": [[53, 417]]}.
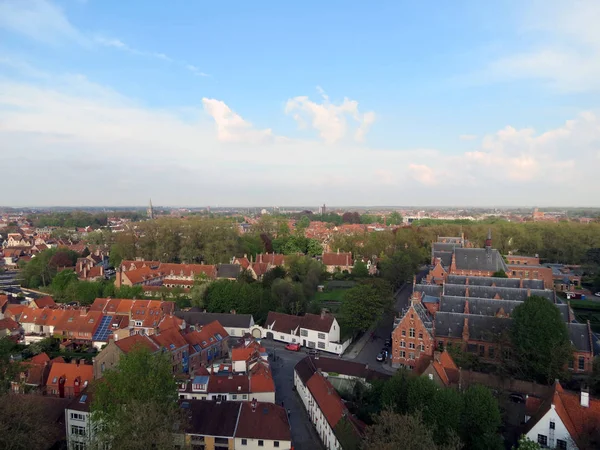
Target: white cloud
{"points": [[562, 46], [38, 19], [467, 137], [69, 131], [328, 119], [230, 126]]}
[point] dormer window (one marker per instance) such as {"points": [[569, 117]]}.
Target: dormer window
{"points": [[138, 323]]}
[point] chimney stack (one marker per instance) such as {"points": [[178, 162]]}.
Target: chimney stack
{"points": [[585, 397]]}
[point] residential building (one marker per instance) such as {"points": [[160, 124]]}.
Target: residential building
{"points": [[237, 325], [110, 355], [78, 421], [324, 406], [9, 327], [565, 420], [68, 380], [206, 344], [262, 425], [338, 261], [441, 369], [314, 331], [33, 375]]}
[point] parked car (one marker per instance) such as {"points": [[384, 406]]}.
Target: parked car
{"points": [[382, 356], [388, 343], [293, 347], [516, 398], [597, 294]]}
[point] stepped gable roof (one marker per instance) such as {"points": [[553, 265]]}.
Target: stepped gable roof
{"points": [[578, 420], [445, 257], [433, 290], [261, 420], [227, 320], [481, 328], [212, 418], [128, 343], [580, 336], [228, 270], [338, 259], [488, 260]]}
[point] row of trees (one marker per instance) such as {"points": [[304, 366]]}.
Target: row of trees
{"points": [[407, 410], [69, 219]]}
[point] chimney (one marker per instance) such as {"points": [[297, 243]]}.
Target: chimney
{"points": [[323, 313], [254, 405], [74, 361], [585, 397]]}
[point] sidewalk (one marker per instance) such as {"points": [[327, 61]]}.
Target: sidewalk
{"points": [[358, 346]]}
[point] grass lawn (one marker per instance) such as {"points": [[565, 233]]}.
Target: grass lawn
{"points": [[330, 296]]}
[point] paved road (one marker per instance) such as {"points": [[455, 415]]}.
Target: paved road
{"points": [[368, 355], [304, 436]]}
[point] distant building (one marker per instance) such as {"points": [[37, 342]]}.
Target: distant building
{"points": [[150, 211]]}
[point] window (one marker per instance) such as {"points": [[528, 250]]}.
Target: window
{"points": [[244, 397], [561, 445], [321, 345], [402, 354], [402, 344], [321, 335], [244, 441], [420, 335], [482, 350], [282, 337], [78, 446], [261, 443], [411, 332], [542, 440], [234, 397], [403, 332], [303, 333], [422, 347], [441, 345], [552, 425], [77, 431], [492, 352], [411, 355], [581, 363], [77, 416], [276, 444], [411, 345]]}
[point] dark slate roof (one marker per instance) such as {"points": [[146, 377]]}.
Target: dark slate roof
{"points": [[444, 246], [481, 328], [228, 270], [505, 293], [211, 418], [446, 257], [345, 367], [533, 284], [433, 290], [479, 259], [579, 335], [430, 299], [226, 320], [488, 281]]}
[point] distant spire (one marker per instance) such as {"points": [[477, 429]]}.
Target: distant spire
{"points": [[150, 211]]}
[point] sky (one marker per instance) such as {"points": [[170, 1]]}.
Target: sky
{"points": [[237, 103]]}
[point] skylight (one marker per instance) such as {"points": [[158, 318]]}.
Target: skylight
{"points": [[83, 398]]}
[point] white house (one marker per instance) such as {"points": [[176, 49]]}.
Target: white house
{"points": [[321, 332], [77, 422], [563, 419], [323, 404]]}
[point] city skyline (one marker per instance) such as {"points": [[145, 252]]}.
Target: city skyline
{"points": [[344, 103]]}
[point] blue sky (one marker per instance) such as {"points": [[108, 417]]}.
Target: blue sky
{"points": [[294, 103]]}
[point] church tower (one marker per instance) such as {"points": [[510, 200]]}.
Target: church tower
{"points": [[150, 211]]}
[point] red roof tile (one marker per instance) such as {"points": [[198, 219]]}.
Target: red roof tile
{"points": [[126, 344], [71, 372], [338, 259], [8, 324], [330, 403], [263, 421]]}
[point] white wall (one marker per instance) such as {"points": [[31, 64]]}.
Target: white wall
{"points": [[252, 444], [543, 427], [72, 439]]}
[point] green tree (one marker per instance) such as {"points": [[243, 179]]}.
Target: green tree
{"points": [[445, 412], [360, 269], [526, 444], [422, 392], [480, 419], [302, 224], [398, 269], [143, 381], [361, 307], [346, 434], [393, 431], [314, 248], [500, 274], [289, 296], [540, 339], [272, 275], [61, 281], [394, 218]]}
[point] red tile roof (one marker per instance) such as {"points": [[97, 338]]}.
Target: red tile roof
{"points": [[287, 323], [8, 324], [446, 368], [263, 421], [170, 322], [261, 378], [71, 372], [45, 301], [170, 337], [222, 384], [207, 336], [329, 401], [126, 344], [338, 259], [40, 359]]}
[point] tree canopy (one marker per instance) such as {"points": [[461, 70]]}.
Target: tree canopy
{"points": [[540, 339], [134, 406]]}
